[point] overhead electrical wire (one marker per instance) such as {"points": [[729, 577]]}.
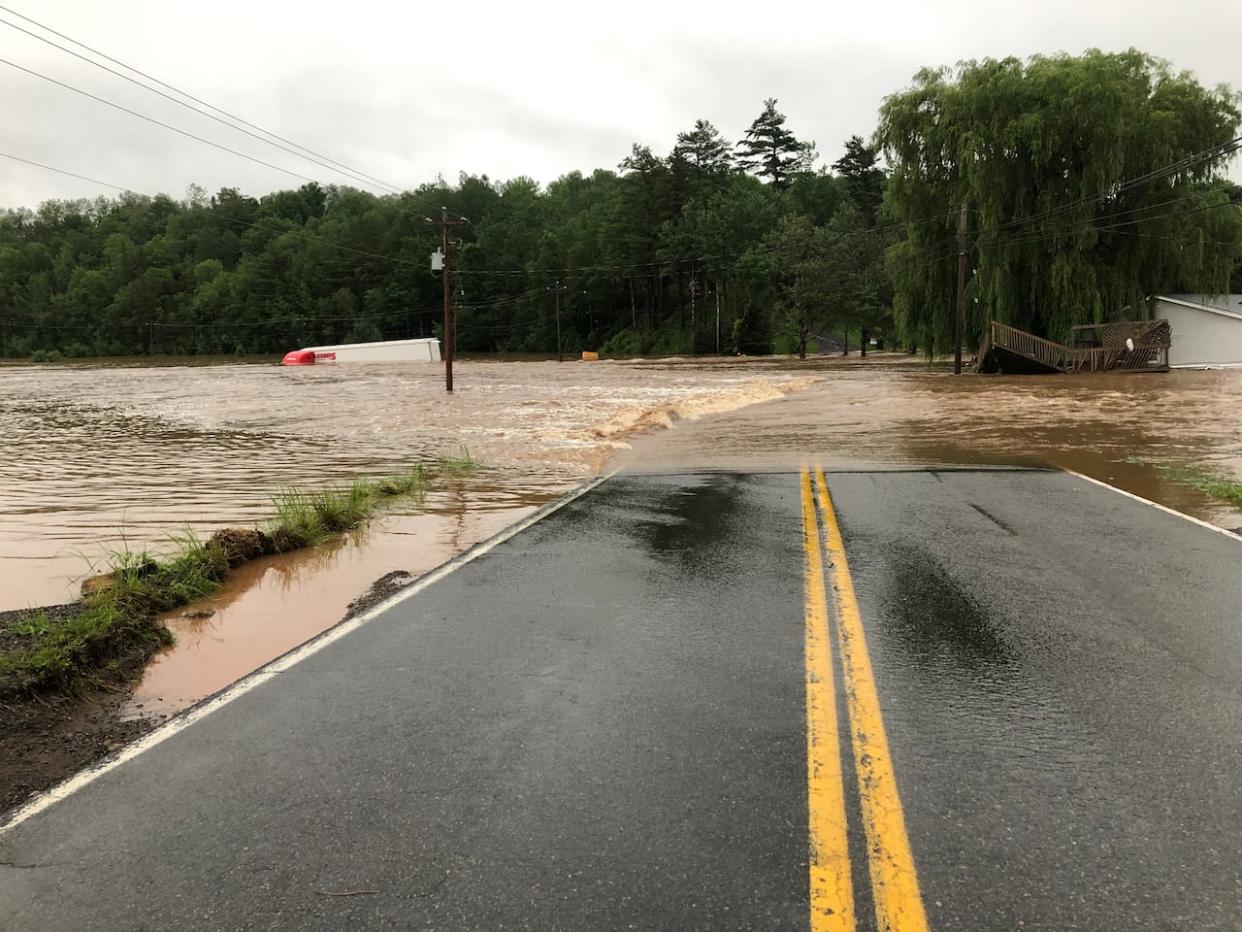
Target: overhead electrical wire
{"points": [[1102, 225], [1212, 152], [153, 120], [349, 172], [355, 175], [187, 95], [386, 189], [298, 234], [61, 171]]}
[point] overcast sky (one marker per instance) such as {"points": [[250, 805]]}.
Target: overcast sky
{"points": [[404, 91]]}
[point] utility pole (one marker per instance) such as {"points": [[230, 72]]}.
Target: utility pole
{"points": [[445, 223], [717, 291], [960, 321], [556, 291]]}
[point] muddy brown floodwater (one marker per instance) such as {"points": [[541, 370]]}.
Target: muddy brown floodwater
{"points": [[1119, 428], [104, 457], [107, 457]]}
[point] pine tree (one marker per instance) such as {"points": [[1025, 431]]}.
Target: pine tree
{"points": [[704, 148], [864, 180], [771, 151]]}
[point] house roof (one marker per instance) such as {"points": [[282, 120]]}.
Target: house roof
{"points": [[1226, 305]]}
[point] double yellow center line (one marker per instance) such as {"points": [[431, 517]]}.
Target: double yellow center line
{"points": [[894, 883]]}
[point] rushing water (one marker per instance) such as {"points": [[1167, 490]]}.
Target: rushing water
{"points": [[1119, 428], [104, 457], [99, 458]]}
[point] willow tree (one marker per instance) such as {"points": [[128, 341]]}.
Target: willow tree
{"points": [[1062, 163]]}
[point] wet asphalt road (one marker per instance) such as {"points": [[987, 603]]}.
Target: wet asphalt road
{"points": [[602, 723]]}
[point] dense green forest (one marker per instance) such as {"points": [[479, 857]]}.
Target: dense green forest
{"points": [[1090, 182]]}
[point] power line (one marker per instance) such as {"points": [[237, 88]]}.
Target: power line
{"points": [[61, 171], [387, 189], [1225, 148], [153, 120], [197, 100], [215, 145], [374, 255], [660, 263], [1115, 227], [1096, 225]]}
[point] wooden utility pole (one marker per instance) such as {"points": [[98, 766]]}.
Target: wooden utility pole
{"points": [[448, 302], [960, 321], [556, 291], [445, 223], [717, 290], [560, 349]]}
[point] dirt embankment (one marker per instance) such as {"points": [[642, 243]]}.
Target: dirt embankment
{"points": [[66, 671], [49, 736]]}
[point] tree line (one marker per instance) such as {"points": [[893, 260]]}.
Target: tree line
{"points": [[718, 246]]}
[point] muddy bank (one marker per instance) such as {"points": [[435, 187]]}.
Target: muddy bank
{"points": [[47, 738], [67, 671], [267, 606]]}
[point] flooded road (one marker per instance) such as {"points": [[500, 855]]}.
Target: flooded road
{"points": [[1117, 428], [99, 458], [104, 457]]}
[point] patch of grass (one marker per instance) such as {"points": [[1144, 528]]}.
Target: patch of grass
{"points": [[41, 650], [413, 482], [295, 524], [45, 356], [33, 625], [1206, 481], [462, 465], [308, 517], [116, 620]]}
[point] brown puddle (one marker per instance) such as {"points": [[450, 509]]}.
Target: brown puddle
{"points": [[273, 604]]}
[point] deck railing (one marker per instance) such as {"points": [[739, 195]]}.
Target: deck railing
{"points": [[1046, 352], [1127, 346]]}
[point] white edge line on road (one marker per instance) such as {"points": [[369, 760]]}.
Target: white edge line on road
{"points": [[266, 672], [1164, 508]]}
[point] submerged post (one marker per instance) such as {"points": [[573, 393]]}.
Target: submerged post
{"points": [[560, 350], [446, 266], [960, 317], [448, 302]]}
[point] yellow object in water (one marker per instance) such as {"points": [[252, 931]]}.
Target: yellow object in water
{"points": [[588, 356]]}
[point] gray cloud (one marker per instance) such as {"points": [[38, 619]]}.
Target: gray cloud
{"points": [[409, 91]]}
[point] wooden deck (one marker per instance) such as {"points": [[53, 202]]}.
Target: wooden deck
{"points": [[1125, 346]]}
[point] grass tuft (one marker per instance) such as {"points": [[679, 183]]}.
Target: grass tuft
{"points": [[1204, 480], [462, 465], [306, 517], [413, 482], [116, 619], [1207, 482]]}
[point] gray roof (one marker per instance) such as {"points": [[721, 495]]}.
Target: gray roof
{"points": [[1226, 302]]}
